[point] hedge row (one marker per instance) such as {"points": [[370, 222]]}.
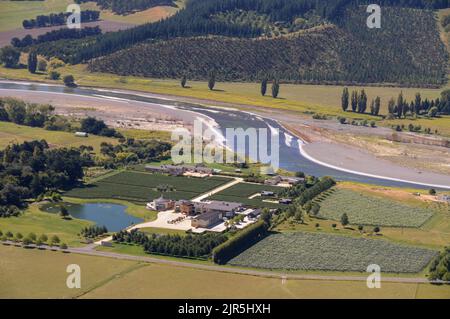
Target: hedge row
{"points": [[243, 240]]}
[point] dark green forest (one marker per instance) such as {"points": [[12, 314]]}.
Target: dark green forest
{"points": [[322, 41], [396, 53]]}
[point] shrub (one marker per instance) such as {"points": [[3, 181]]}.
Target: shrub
{"points": [[54, 75], [69, 81]]}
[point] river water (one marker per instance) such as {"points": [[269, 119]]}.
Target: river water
{"points": [[291, 158]]}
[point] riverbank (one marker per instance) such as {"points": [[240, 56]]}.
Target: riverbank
{"points": [[127, 103]]}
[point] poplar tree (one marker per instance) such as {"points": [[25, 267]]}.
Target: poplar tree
{"points": [[345, 99], [32, 62], [264, 87], [275, 89]]}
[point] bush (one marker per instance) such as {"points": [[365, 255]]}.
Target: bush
{"points": [[42, 65], [69, 81], [54, 75]]}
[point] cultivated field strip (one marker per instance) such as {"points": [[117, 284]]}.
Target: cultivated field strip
{"points": [[242, 191], [369, 210], [141, 187], [315, 251]]}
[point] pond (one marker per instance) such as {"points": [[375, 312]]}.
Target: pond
{"points": [[113, 216]]}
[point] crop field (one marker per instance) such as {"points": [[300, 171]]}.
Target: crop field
{"points": [[314, 251], [370, 210], [242, 191], [141, 187]]}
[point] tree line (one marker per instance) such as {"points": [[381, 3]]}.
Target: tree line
{"points": [[397, 108], [128, 6], [358, 102], [55, 19], [241, 241], [93, 231], [42, 115], [55, 35], [192, 246]]}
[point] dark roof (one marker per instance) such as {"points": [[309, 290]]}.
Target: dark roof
{"points": [[222, 206], [208, 215]]}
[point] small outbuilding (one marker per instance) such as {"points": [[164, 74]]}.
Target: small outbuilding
{"points": [[81, 134]]}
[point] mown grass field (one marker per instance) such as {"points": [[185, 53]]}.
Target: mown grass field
{"points": [[141, 187], [113, 278], [12, 133], [369, 210], [242, 191], [315, 251]]}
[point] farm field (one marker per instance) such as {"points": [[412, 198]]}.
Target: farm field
{"points": [[242, 191], [362, 209], [315, 251], [13, 133], [105, 277], [141, 187]]}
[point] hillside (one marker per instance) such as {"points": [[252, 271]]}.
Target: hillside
{"points": [[342, 52]]}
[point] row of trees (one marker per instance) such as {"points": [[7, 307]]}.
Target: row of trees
{"points": [[400, 107], [56, 35], [194, 246], [241, 241], [32, 238], [54, 19], [358, 102], [129, 6], [93, 231]]}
